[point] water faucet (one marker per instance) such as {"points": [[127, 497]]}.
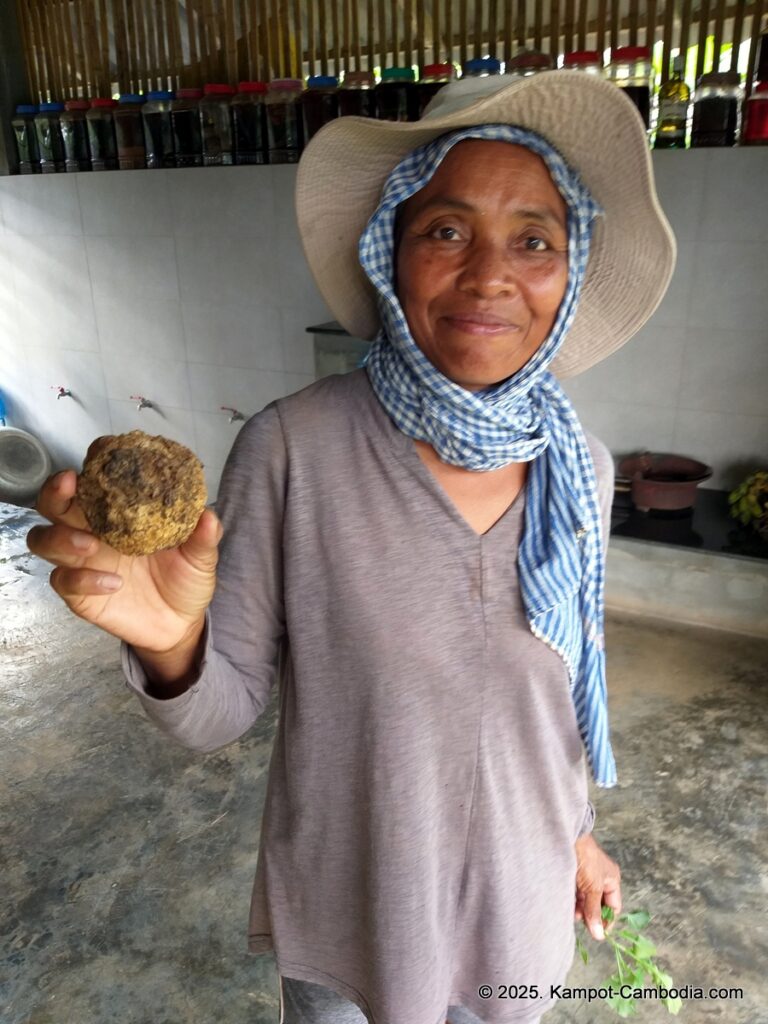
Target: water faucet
{"points": [[144, 403], [235, 414], [63, 392]]}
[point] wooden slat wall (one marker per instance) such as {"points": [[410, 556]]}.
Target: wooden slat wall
{"points": [[92, 47]]}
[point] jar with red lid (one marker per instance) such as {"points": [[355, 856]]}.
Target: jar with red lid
{"points": [[433, 78], [319, 104], [590, 61], [249, 124], [216, 124], [756, 117], [356, 94], [529, 62], [74, 132], [284, 122], [129, 129], [630, 69], [185, 128], [102, 141]]}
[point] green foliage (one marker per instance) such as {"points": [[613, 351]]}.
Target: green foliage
{"points": [[749, 501], [634, 962]]}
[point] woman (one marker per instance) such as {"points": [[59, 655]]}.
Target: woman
{"points": [[416, 551]]}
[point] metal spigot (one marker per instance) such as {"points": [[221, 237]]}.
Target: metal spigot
{"points": [[235, 414], [63, 392], [144, 403]]}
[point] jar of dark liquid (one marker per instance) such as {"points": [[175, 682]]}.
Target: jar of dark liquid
{"points": [[285, 130], [357, 95], [319, 104], [630, 69], [216, 124], [433, 78], [23, 125], [529, 62], [74, 132], [249, 124], [397, 97], [129, 131], [185, 128], [101, 134], [479, 67], [158, 137], [50, 144], [716, 103]]}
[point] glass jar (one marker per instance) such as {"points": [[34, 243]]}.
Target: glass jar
{"points": [[433, 78], [319, 104], [716, 103], [249, 124], [185, 128], [479, 67], [529, 62], [397, 96], [129, 131], [74, 133], [216, 124], [590, 61], [284, 122], [23, 125], [630, 69], [158, 137], [50, 143], [102, 141], [755, 131], [674, 101], [357, 96]]}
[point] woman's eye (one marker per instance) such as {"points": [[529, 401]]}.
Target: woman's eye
{"points": [[536, 244], [439, 232]]}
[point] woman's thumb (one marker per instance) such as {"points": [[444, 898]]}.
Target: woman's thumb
{"points": [[201, 545]]}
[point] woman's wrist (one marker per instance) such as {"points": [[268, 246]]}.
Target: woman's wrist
{"points": [[171, 673]]}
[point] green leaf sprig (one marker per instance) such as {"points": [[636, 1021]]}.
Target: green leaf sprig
{"points": [[634, 962]]}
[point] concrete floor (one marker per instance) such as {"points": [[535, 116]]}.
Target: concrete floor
{"points": [[127, 862]]}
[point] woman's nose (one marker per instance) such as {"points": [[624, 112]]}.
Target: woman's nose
{"points": [[488, 269]]}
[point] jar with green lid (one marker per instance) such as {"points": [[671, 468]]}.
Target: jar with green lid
{"points": [[590, 61], [216, 124], [319, 104], [158, 138], [357, 94], [479, 67], [249, 124], [433, 78], [129, 131], [23, 125], [397, 97], [74, 132], [285, 130], [529, 62], [102, 141], [185, 128], [50, 144]]}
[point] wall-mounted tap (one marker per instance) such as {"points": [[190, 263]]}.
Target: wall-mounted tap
{"points": [[144, 403], [235, 414], [63, 392]]}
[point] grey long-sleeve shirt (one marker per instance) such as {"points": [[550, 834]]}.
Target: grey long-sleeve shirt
{"points": [[427, 781]]}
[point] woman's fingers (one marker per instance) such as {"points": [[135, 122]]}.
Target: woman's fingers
{"points": [[56, 500], [62, 545], [70, 583]]}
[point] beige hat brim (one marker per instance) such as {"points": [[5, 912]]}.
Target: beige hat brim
{"points": [[598, 131]]}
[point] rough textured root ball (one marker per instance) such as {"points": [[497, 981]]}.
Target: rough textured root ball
{"points": [[141, 493]]}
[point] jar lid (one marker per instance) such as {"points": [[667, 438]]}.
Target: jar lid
{"points": [[531, 59], [762, 88], [189, 94], [77, 105], [251, 86], [46, 107], [161, 94], [627, 53], [720, 78], [218, 89], [102, 101], [359, 79], [437, 69], [488, 65], [26, 108], [579, 57], [392, 74], [322, 82], [286, 84], [132, 97]]}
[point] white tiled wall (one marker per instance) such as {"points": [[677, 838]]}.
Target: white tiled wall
{"points": [[190, 287]]}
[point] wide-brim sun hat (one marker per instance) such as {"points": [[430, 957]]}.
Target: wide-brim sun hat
{"points": [[593, 125]]}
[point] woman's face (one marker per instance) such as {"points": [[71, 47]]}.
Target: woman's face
{"points": [[482, 261]]}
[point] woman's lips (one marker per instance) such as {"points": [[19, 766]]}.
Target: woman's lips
{"points": [[470, 326]]}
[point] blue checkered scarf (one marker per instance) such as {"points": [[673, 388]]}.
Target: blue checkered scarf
{"points": [[528, 418]]}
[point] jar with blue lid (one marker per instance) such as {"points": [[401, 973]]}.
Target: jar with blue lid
{"points": [[129, 130], [158, 137], [49, 138], [319, 103], [479, 67], [23, 125]]}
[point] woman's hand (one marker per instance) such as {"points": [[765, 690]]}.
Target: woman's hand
{"points": [[598, 883]]}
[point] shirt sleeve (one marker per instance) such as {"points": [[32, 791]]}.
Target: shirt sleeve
{"points": [[245, 622], [589, 820]]}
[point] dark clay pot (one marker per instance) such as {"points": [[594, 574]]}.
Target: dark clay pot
{"points": [[663, 481]]}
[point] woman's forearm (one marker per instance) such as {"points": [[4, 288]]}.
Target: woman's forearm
{"points": [[171, 673]]}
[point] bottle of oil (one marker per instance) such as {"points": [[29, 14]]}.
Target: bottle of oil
{"points": [[674, 100]]}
